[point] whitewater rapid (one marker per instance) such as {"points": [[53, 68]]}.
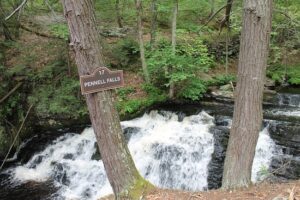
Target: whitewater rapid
{"points": [[170, 151]]}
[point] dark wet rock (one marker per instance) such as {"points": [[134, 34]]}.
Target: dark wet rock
{"points": [[130, 131], [69, 156], [97, 154], [28, 191], [37, 160], [181, 116], [222, 120], [172, 152], [288, 99], [215, 167], [287, 135], [114, 31], [286, 167], [227, 87], [269, 83], [60, 174]]}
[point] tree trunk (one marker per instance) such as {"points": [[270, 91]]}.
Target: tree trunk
{"points": [[5, 30], [121, 171], [212, 7], [138, 4], [153, 23], [227, 49], [174, 24], [226, 20], [118, 13], [247, 116]]}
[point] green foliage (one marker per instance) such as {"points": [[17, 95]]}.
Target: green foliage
{"points": [[54, 70], [222, 79], [60, 30], [263, 173], [124, 92], [151, 89], [4, 142], [126, 52], [12, 106], [131, 106], [280, 74], [193, 90], [59, 99], [275, 54], [181, 68]]}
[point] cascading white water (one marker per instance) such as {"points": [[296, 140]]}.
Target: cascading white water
{"points": [[265, 149], [68, 162], [168, 152], [288, 99], [173, 154]]}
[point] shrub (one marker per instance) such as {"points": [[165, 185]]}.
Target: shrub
{"points": [[194, 89], [126, 52], [280, 74], [222, 79], [181, 68]]}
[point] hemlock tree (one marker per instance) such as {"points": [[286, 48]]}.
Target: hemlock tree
{"points": [[121, 171], [247, 116], [118, 13], [174, 27], [153, 23], [138, 5]]}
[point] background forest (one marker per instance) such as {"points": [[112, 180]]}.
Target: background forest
{"points": [[37, 67]]}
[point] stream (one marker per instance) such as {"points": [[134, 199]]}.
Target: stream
{"points": [[173, 146]]}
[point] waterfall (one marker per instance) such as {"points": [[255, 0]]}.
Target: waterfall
{"points": [[291, 102], [287, 99], [170, 151], [265, 149]]}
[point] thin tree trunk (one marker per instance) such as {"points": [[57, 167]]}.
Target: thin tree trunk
{"points": [[5, 29], [212, 7], [121, 171], [153, 23], [174, 24], [118, 13], [247, 117], [138, 4], [226, 20], [227, 49]]}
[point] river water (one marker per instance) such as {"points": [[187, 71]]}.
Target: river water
{"points": [[171, 150]]}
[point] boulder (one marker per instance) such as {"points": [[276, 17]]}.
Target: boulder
{"points": [[226, 87]]}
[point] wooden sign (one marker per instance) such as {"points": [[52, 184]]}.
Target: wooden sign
{"points": [[101, 79]]}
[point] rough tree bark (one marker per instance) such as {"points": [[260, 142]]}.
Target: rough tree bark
{"points": [[121, 171], [153, 23], [247, 117], [174, 24], [138, 5], [118, 13]]}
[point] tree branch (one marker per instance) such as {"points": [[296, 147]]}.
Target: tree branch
{"points": [[213, 16], [40, 33], [17, 9], [286, 15], [10, 92], [16, 136]]}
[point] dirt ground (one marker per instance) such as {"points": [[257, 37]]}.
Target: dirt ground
{"points": [[264, 191]]}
